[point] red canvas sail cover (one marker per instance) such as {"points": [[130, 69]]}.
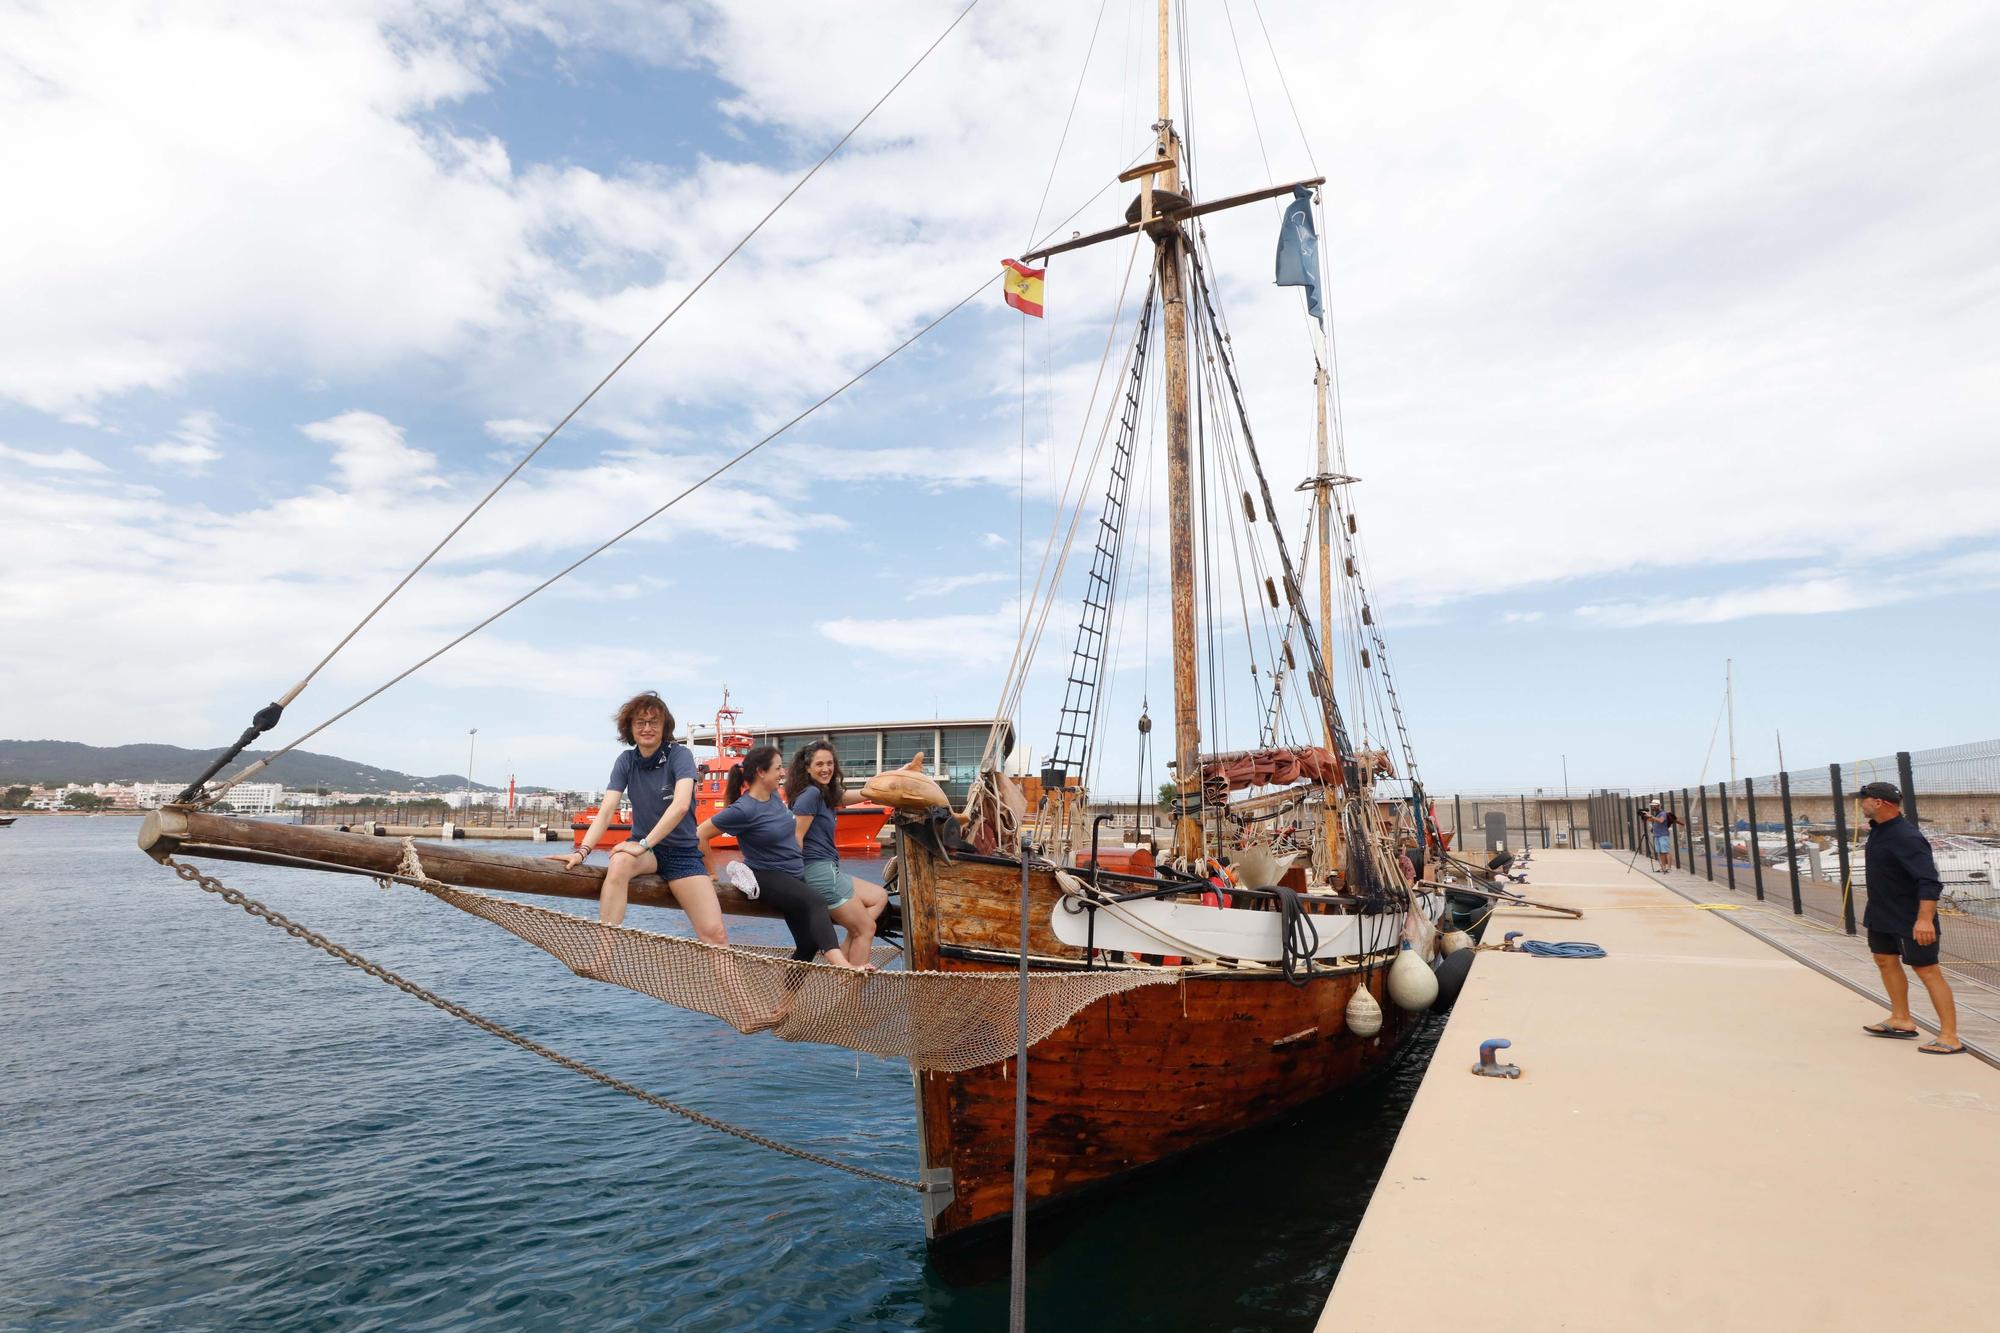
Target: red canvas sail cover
{"points": [[1273, 768]]}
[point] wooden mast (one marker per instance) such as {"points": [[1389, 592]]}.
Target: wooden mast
{"points": [[1180, 505], [1329, 809]]}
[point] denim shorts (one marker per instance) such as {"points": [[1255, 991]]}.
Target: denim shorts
{"points": [[678, 863], [829, 883]]}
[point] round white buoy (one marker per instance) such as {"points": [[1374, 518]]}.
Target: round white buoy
{"points": [[1452, 941], [1412, 985], [1364, 1016]]}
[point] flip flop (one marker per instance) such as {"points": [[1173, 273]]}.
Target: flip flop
{"points": [[1884, 1030], [1939, 1048]]}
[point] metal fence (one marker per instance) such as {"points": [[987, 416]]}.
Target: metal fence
{"points": [[1796, 840], [1485, 821], [418, 816]]}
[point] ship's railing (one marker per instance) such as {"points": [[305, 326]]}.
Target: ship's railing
{"points": [[426, 814]]}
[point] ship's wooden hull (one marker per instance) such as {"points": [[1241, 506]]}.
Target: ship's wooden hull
{"points": [[1131, 1081]]}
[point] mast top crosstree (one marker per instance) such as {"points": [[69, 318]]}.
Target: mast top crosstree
{"points": [[1170, 219]]}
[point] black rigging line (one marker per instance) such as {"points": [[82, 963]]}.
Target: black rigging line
{"points": [[269, 715], [1076, 723], [195, 792], [1359, 835]]}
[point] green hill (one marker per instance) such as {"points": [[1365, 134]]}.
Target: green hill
{"points": [[51, 763]]}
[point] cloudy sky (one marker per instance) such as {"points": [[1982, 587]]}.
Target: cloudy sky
{"points": [[1667, 336]]}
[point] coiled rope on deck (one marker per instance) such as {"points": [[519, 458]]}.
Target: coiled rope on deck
{"points": [[210, 884]]}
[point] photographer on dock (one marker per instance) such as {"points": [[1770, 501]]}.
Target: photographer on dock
{"points": [[1662, 822]]}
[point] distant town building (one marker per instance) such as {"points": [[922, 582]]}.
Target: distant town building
{"points": [[255, 798], [153, 795]]}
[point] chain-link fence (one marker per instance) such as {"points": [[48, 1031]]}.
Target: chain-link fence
{"points": [[1795, 839]]}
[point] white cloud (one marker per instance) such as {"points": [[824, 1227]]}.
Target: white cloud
{"points": [[52, 460], [233, 598], [947, 584], [192, 447], [513, 431], [1809, 595], [369, 454], [1643, 293], [982, 640], [1804, 597]]}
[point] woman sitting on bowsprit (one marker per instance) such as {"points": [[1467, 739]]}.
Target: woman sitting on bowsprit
{"points": [[657, 776], [816, 791], [767, 837]]}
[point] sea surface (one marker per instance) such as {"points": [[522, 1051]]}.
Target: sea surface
{"points": [[205, 1124]]}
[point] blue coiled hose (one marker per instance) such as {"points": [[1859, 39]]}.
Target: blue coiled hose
{"points": [[1566, 949]]}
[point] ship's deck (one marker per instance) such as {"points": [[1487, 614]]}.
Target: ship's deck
{"points": [[1702, 1137]]}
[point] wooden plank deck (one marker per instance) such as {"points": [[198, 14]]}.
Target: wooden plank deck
{"points": [[1702, 1138]]}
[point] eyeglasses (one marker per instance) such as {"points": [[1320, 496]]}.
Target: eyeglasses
{"points": [[647, 724]]}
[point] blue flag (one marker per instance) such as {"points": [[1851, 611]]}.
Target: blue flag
{"points": [[1298, 249]]}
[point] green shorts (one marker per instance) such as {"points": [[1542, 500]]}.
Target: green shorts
{"points": [[829, 883]]}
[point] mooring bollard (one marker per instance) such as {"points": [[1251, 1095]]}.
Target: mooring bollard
{"points": [[1488, 1066]]}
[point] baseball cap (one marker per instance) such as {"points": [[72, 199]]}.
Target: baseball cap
{"points": [[1881, 791]]}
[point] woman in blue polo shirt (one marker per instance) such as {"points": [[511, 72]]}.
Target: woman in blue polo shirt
{"points": [[766, 836], [815, 789], [658, 777]]}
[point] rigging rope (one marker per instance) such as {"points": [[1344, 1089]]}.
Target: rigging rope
{"points": [[268, 716], [1055, 159], [1029, 641], [195, 796], [1278, 65]]}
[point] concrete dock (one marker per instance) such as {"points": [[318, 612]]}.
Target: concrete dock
{"points": [[1702, 1137]]}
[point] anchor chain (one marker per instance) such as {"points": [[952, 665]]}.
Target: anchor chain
{"points": [[210, 884]]}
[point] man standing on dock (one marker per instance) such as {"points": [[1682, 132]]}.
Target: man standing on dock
{"points": [[1902, 918]]}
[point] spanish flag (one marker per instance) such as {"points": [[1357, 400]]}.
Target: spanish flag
{"points": [[1022, 287]]}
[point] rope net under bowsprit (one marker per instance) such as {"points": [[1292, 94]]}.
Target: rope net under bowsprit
{"points": [[935, 1020]]}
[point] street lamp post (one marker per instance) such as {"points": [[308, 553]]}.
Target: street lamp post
{"points": [[471, 744], [1569, 815]]}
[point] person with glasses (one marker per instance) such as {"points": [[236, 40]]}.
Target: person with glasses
{"points": [[658, 777]]}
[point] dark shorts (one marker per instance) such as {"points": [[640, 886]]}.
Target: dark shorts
{"points": [[1905, 947], [677, 863]]}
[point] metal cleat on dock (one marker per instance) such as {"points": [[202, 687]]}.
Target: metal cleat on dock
{"points": [[1488, 1066]]}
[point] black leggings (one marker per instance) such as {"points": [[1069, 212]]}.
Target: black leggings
{"points": [[803, 909]]}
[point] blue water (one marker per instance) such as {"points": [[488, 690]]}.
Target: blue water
{"points": [[204, 1123]]}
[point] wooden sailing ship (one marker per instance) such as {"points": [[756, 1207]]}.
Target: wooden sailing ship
{"points": [[1145, 1075], [1270, 930]]}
